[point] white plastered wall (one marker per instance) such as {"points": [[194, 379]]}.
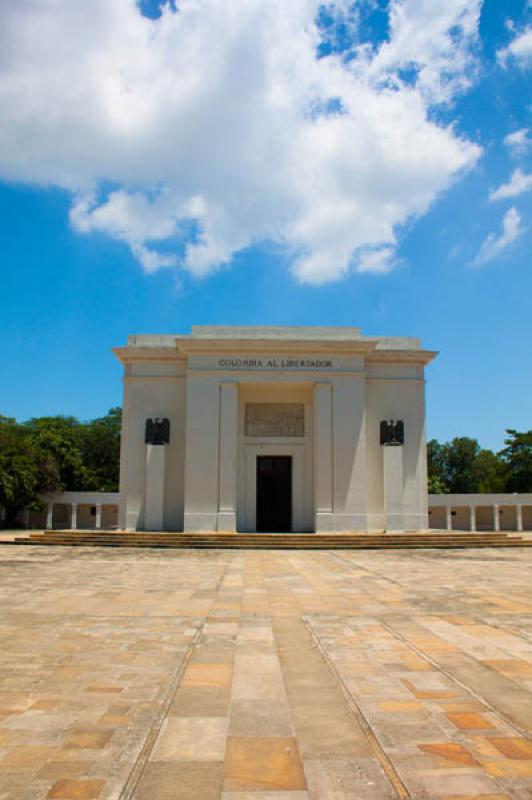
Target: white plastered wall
{"points": [[349, 451], [152, 389], [397, 391], [202, 449]]}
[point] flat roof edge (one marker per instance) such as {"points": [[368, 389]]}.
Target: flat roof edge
{"points": [[281, 332]]}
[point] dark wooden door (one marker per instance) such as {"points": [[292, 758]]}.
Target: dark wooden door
{"points": [[274, 494]]}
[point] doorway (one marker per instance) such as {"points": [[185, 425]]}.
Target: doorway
{"points": [[274, 494]]}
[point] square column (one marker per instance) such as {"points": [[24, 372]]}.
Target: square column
{"points": [[449, 518], [519, 518], [496, 518], [202, 452], [393, 487], [49, 515], [323, 457], [98, 515], [154, 487], [228, 457], [472, 518], [74, 516], [350, 469]]}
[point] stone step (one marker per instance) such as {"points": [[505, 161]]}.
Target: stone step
{"points": [[212, 541], [271, 536], [219, 535], [285, 539], [289, 541], [276, 543]]}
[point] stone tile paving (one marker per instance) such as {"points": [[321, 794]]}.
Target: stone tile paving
{"points": [[145, 675]]}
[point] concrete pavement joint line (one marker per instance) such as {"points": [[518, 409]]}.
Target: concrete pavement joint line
{"points": [[510, 629], [346, 559], [497, 558], [283, 677], [499, 714], [135, 775], [130, 786], [389, 769]]}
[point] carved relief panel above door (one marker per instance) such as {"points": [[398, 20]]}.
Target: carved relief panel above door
{"points": [[275, 419]]}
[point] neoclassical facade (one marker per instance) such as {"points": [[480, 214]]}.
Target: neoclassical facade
{"points": [[273, 429]]}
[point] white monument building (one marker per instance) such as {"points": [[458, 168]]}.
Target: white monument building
{"points": [[273, 429]]}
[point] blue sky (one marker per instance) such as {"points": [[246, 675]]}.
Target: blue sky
{"points": [[377, 188]]}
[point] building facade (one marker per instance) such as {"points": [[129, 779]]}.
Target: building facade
{"points": [[273, 429], [447, 512]]}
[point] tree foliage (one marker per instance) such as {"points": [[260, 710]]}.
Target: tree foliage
{"points": [[26, 470], [61, 438], [462, 467], [53, 454], [517, 455], [490, 473], [100, 452]]}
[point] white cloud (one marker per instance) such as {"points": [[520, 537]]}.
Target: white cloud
{"points": [[494, 245], [519, 183], [519, 50], [151, 260], [210, 125], [518, 141], [377, 261], [435, 39]]}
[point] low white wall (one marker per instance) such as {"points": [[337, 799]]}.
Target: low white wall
{"points": [[481, 512], [75, 510], [479, 499]]}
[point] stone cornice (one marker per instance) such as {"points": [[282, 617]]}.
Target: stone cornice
{"points": [[273, 346], [401, 356], [181, 348], [132, 353]]}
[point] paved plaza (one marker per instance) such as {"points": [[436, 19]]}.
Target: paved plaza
{"points": [[181, 675]]}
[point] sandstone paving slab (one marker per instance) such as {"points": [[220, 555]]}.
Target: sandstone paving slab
{"points": [[197, 780], [265, 675], [255, 763], [200, 702], [431, 736], [191, 739], [79, 691], [259, 718], [342, 779], [265, 795]]}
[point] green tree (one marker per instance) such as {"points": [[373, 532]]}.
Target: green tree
{"points": [[490, 473], [436, 485], [458, 459], [100, 451], [48, 454], [436, 467], [26, 470], [517, 455], [461, 467], [61, 437]]}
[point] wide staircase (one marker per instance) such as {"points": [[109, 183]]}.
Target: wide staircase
{"points": [[274, 541]]}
